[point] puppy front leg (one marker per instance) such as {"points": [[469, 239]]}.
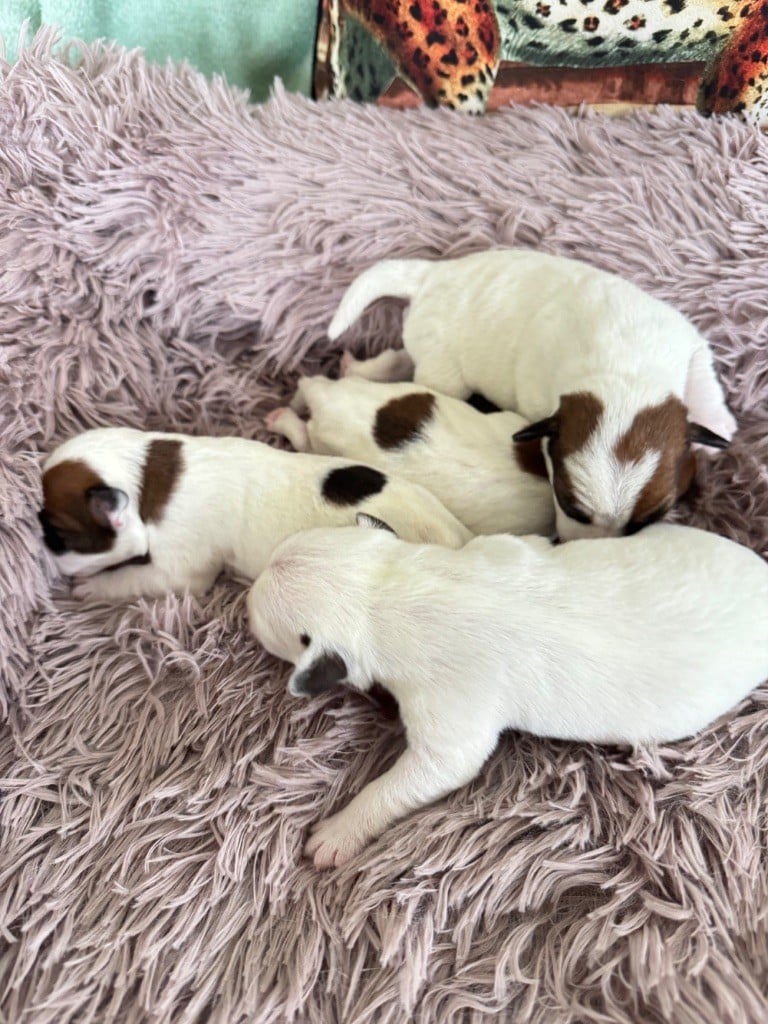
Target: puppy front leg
{"points": [[418, 778], [132, 582], [390, 365]]}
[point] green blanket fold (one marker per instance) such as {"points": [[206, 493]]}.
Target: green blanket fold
{"points": [[249, 41]]}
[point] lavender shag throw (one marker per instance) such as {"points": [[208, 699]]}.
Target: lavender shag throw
{"points": [[168, 258]]}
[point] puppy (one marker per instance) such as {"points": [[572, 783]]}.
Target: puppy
{"points": [[463, 457], [143, 513], [633, 640], [605, 372]]}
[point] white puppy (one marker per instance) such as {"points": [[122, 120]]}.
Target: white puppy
{"points": [[465, 458], [143, 513], [605, 371], [610, 641]]}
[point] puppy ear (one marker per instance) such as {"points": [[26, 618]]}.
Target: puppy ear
{"points": [[326, 671], [106, 505], [703, 435], [372, 523], [544, 428]]}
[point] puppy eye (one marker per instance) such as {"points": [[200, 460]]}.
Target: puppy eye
{"points": [[53, 539], [305, 640], [579, 516], [635, 525], [575, 513]]}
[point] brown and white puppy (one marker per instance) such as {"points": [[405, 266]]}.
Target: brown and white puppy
{"points": [[135, 513], [465, 458], [616, 383]]}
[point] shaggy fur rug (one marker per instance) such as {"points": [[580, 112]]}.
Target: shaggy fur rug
{"points": [[168, 258]]}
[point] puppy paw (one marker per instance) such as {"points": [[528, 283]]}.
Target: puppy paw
{"points": [[272, 419], [87, 590], [334, 841], [347, 364]]}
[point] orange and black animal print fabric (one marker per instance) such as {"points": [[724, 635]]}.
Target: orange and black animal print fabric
{"points": [[453, 52]]}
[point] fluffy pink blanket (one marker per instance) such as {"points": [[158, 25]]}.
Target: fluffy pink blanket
{"points": [[169, 257]]}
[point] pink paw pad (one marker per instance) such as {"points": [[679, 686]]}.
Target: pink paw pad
{"points": [[346, 364], [272, 418]]}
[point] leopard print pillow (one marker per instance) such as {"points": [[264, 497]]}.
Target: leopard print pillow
{"points": [[450, 51]]}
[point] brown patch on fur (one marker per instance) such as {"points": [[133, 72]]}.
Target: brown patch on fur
{"points": [[576, 420], [403, 419], [65, 504], [530, 458], [162, 468], [662, 428]]}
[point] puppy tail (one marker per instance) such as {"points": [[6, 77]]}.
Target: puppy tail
{"points": [[400, 279]]}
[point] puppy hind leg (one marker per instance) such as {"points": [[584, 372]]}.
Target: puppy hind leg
{"points": [[393, 364]]}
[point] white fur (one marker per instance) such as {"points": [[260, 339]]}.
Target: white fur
{"points": [[645, 638], [462, 456], [234, 501], [524, 328]]}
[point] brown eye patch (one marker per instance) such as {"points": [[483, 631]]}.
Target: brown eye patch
{"points": [[662, 428], [54, 539], [66, 517], [578, 417]]}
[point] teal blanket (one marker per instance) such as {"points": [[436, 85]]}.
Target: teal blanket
{"points": [[249, 41]]}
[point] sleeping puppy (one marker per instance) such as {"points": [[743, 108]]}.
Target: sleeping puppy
{"points": [[463, 457], [633, 640], [134, 513], [607, 375]]}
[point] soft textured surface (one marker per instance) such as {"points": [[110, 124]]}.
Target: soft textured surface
{"points": [[168, 258]]}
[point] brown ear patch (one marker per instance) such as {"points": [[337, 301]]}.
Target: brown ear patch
{"points": [[65, 504], [402, 420], [577, 419], [578, 416], [162, 467], [529, 457], [662, 428]]}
